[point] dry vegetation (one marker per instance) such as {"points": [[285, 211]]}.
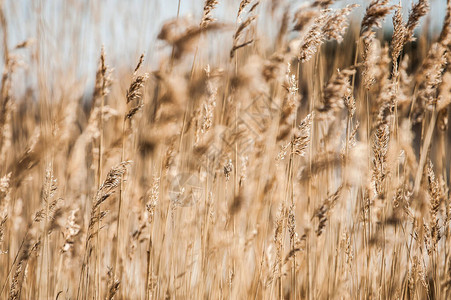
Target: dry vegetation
{"points": [[313, 164]]}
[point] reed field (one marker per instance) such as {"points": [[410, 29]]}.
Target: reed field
{"points": [[291, 150]]}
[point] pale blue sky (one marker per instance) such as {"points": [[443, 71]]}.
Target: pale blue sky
{"points": [[71, 32]]}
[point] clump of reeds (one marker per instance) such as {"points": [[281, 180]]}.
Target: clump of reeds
{"points": [[306, 161]]}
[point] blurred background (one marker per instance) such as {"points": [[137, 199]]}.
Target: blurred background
{"points": [[68, 35]]}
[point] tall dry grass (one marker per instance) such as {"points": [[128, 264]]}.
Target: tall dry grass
{"points": [[311, 163]]}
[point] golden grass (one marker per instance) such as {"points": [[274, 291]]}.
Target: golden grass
{"points": [[309, 165]]}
